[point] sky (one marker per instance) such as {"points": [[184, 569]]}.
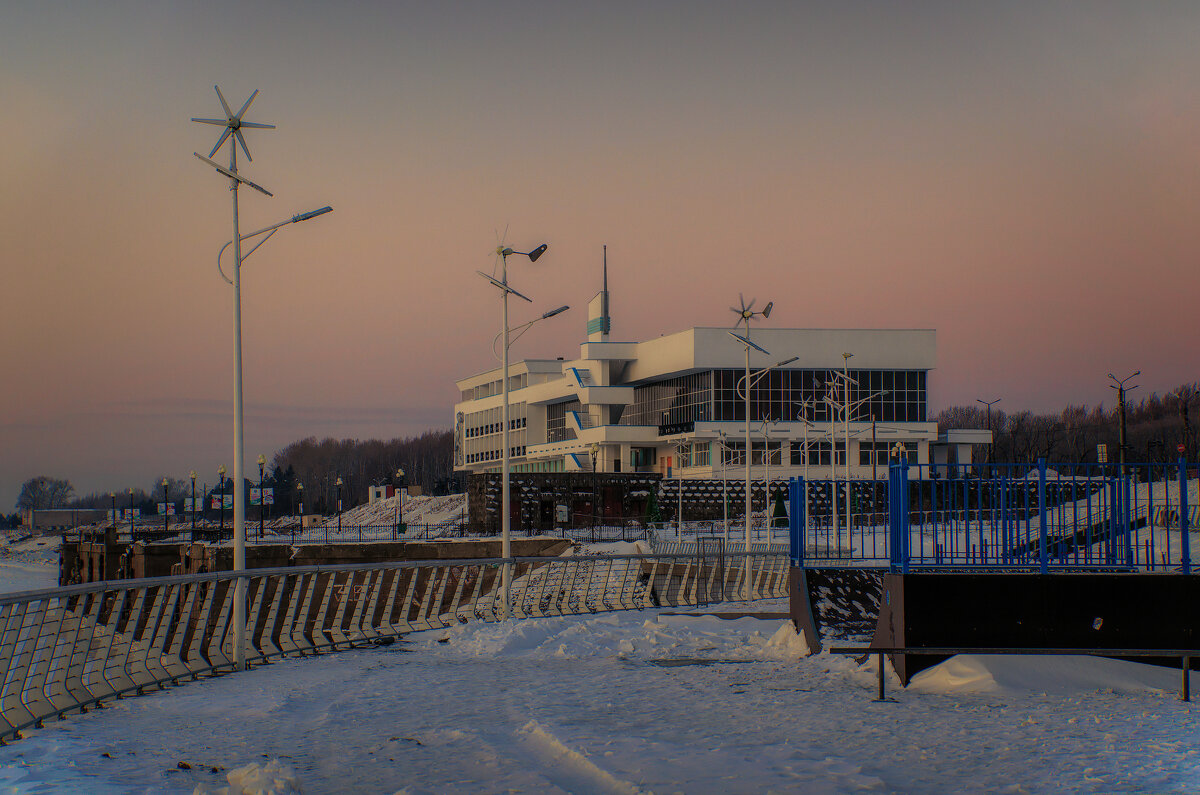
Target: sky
{"points": [[1021, 177]]}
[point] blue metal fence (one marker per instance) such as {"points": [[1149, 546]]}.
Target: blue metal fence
{"points": [[1040, 517]]}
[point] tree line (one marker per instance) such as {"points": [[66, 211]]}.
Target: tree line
{"points": [[1155, 427], [427, 461]]}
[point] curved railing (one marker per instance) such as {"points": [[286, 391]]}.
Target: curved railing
{"points": [[71, 648]]}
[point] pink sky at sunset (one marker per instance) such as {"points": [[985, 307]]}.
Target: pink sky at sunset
{"points": [[1021, 178]]}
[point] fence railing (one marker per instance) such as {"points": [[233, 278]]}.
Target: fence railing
{"points": [[1002, 515], [71, 648]]}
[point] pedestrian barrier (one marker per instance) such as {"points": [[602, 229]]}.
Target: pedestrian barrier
{"points": [[69, 649]]}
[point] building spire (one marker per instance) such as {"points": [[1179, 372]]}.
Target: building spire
{"points": [[599, 322]]}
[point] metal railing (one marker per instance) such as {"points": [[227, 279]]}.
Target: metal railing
{"points": [[1019, 516], [70, 648]]}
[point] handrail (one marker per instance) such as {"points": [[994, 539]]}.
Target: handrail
{"points": [[65, 649]]}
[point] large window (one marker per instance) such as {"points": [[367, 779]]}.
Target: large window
{"points": [[687, 398], [820, 453], [796, 394], [557, 429]]}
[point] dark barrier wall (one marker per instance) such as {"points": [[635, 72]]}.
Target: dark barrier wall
{"points": [[1071, 611]]}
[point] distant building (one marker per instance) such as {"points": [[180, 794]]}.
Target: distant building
{"points": [[662, 405], [53, 520]]}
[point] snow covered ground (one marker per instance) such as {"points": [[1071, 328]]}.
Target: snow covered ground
{"points": [[627, 702], [29, 563]]}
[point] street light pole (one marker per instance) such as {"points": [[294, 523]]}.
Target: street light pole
{"points": [[846, 445], [724, 496], [131, 528], [300, 513], [192, 475], [166, 507], [505, 542], [262, 498], [221, 475], [992, 445], [339, 511], [233, 125], [400, 500], [1119, 385]]}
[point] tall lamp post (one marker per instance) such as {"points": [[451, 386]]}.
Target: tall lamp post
{"points": [[113, 519], [1119, 385], [131, 528], [166, 506], [399, 500], [724, 497], [300, 509], [221, 475], [262, 498], [233, 125], [992, 445], [192, 475], [504, 252], [339, 511]]}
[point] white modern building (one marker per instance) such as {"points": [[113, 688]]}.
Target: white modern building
{"points": [[671, 405]]}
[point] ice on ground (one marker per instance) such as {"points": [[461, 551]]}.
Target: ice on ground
{"points": [[272, 778]]}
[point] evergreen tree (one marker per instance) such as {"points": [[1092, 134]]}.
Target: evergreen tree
{"points": [[779, 515], [653, 514]]}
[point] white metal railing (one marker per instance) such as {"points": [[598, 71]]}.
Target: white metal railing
{"points": [[70, 648]]}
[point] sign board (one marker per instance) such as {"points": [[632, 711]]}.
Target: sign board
{"points": [[196, 504], [255, 496], [1102, 453], [166, 509], [131, 513], [561, 515], [1180, 448], [268, 496]]}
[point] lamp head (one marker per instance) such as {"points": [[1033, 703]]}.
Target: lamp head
{"points": [[192, 474], [221, 470], [554, 312], [537, 252], [339, 482], [165, 483], [262, 460]]}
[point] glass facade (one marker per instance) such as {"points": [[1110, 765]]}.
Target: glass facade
{"points": [[687, 398], [557, 429], [780, 393]]}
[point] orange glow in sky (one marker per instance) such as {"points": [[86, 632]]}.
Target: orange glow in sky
{"points": [[1023, 179]]}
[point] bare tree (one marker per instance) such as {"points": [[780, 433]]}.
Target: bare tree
{"points": [[44, 492]]}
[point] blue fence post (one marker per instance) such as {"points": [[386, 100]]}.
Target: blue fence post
{"points": [[1185, 548], [797, 521], [1042, 552], [905, 535], [893, 517]]}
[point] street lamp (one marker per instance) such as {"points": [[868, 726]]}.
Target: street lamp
{"points": [[221, 475], [131, 528], [166, 507], [744, 385], [399, 499], [724, 498], [113, 496], [234, 124], [192, 475], [262, 498], [680, 446], [992, 445], [765, 427], [1119, 385], [300, 516], [339, 511], [503, 252]]}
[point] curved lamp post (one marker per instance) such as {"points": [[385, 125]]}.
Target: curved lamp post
{"points": [[504, 252], [233, 124]]}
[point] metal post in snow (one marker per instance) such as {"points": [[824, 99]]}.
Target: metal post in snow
{"points": [[1042, 552], [1185, 545]]}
